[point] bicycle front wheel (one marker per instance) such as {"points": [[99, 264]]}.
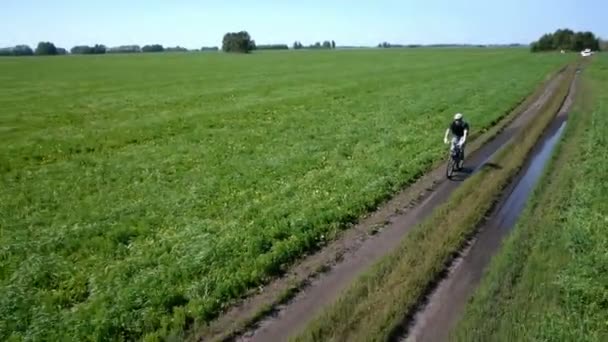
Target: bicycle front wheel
{"points": [[450, 168]]}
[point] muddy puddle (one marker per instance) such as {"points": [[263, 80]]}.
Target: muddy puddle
{"points": [[437, 318]]}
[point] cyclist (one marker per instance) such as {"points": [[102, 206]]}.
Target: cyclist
{"points": [[460, 130]]}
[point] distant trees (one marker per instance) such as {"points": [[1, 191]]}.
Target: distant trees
{"points": [[566, 39], [387, 45], [272, 47], [153, 48], [6, 52], [23, 50], [79, 49], [124, 49], [239, 42], [325, 45], [603, 45], [45, 49], [176, 49], [19, 50], [97, 49]]}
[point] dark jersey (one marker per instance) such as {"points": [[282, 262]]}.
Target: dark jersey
{"points": [[458, 127]]}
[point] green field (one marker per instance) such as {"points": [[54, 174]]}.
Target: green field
{"points": [[550, 280], [141, 193]]}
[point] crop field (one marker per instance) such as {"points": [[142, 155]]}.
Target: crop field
{"points": [[550, 280], [142, 193]]}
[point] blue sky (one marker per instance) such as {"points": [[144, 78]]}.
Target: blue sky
{"points": [[193, 24]]}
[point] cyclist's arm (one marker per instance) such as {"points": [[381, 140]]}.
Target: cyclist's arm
{"points": [[464, 137], [447, 133]]}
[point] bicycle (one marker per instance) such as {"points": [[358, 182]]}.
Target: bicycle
{"points": [[455, 160]]}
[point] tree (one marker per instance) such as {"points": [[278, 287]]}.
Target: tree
{"points": [[387, 45], [6, 51], [80, 49], [153, 48], [562, 39], [578, 42], [23, 50], [325, 45], [19, 50], [566, 39], [46, 49], [209, 49], [176, 49], [590, 41], [545, 43], [62, 51], [272, 47], [98, 49], [238, 42], [297, 45], [124, 49], [535, 47]]}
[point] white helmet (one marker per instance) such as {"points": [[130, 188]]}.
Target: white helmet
{"points": [[458, 116]]}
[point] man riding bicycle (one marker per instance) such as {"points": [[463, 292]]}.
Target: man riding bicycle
{"points": [[460, 130]]}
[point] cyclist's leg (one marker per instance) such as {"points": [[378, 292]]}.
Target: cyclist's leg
{"points": [[462, 151], [455, 141]]}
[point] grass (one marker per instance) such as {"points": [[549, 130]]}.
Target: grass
{"points": [[550, 280], [377, 304], [141, 194]]}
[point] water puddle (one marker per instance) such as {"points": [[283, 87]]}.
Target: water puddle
{"points": [[516, 201]]}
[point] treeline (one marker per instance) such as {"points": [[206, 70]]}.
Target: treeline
{"points": [[318, 45], [176, 49], [153, 48], [567, 40], [124, 49], [89, 50], [387, 45], [272, 47], [49, 49], [19, 50], [43, 48], [238, 42]]}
